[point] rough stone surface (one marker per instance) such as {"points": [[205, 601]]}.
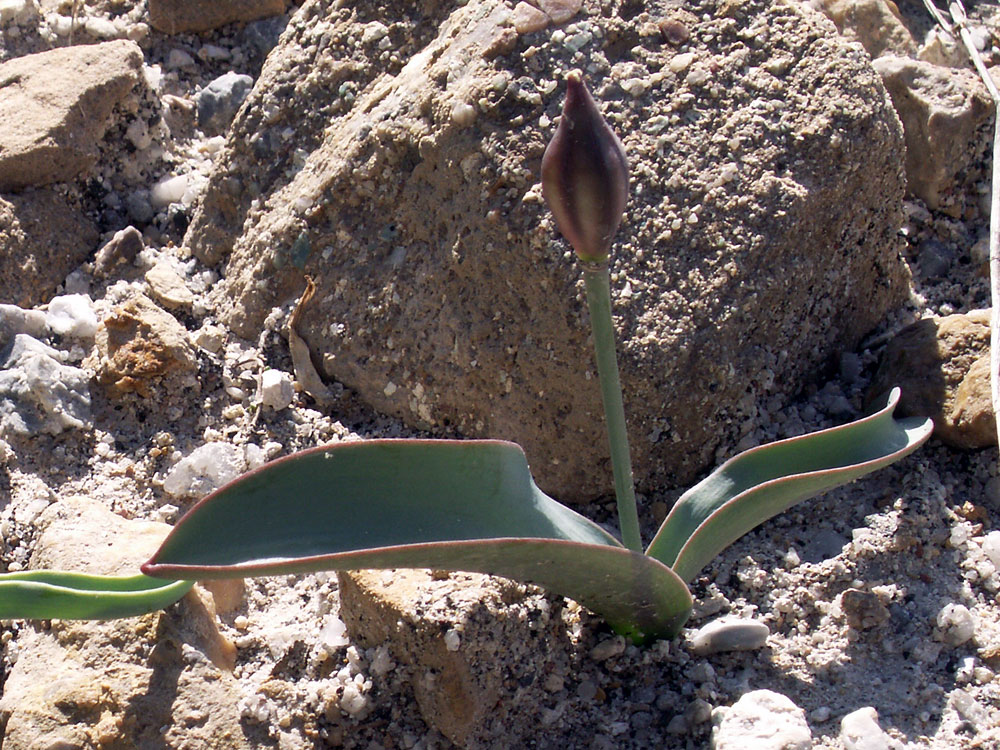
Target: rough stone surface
{"points": [[876, 24], [942, 366], [761, 720], [863, 609], [120, 683], [38, 392], [140, 345], [43, 236], [444, 295], [456, 679], [182, 16], [56, 106], [941, 109]]}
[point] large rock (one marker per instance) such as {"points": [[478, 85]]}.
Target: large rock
{"points": [[410, 194], [43, 236], [161, 680], [181, 16], [56, 106]]}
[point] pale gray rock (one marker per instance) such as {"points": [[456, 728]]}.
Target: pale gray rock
{"points": [[218, 102], [941, 110], [761, 720], [56, 107], [729, 634], [444, 295], [207, 468], [38, 393], [15, 320], [181, 16]]}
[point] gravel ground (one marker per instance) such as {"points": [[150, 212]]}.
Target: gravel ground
{"points": [[910, 540]]}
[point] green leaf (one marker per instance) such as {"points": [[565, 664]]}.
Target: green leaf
{"points": [[48, 594], [764, 481], [448, 505]]}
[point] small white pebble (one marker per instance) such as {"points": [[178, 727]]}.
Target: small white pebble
{"points": [[452, 640], [463, 114], [277, 389]]}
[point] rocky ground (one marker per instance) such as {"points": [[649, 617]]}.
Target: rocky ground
{"points": [[127, 395]]}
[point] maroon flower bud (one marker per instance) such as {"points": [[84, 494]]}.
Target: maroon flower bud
{"points": [[585, 175]]}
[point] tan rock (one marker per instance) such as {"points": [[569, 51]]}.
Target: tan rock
{"points": [[972, 413], [182, 16], [942, 367], [560, 11], [168, 286], [462, 638], [56, 107], [118, 683], [877, 24], [122, 248], [43, 236], [139, 345], [941, 110], [527, 18]]}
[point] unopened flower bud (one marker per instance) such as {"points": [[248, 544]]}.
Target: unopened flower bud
{"points": [[585, 175]]}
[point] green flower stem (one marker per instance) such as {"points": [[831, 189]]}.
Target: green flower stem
{"points": [[598, 283]]}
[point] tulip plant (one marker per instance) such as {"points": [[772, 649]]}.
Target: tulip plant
{"points": [[473, 505]]}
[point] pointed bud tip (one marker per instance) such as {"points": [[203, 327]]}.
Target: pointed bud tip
{"points": [[585, 175]]}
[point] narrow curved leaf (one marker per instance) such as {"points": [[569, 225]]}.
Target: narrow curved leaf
{"points": [[48, 594], [449, 505], [764, 481]]}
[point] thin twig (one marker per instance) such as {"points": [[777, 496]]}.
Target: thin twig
{"points": [[960, 24]]}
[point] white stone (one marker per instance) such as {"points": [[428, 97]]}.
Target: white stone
{"points": [[991, 548], [72, 315], [169, 190], [729, 634], [334, 634], [859, 730], [101, 28], [276, 389], [206, 469], [956, 625], [761, 720], [15, 11]]}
